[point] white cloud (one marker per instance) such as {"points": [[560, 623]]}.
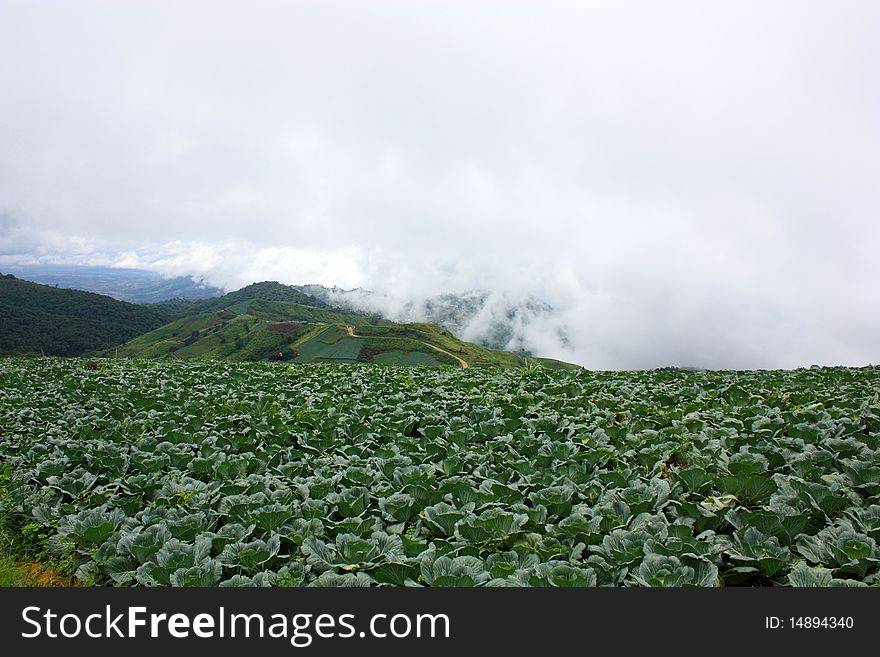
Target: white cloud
{"points": [[685, 182]]}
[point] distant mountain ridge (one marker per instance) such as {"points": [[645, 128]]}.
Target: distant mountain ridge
{"points": [[132, 285]]}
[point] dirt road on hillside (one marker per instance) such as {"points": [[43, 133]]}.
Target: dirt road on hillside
{"points": [[461, 361]]}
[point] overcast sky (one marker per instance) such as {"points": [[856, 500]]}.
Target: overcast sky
{"points": [[685, 182]]}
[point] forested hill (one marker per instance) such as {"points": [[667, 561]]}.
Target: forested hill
{"points": [[54, 321], [265, 291]]}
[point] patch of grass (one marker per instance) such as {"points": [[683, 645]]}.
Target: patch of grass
{"points": [[25, 559], [15, 573]]}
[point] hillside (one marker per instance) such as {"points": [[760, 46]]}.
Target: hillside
{"points": [[493, 320], [255, 329], [263, 321], [38, 318]]}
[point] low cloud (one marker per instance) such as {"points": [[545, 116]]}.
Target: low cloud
{"points": [[682, 183], [652, 309]]}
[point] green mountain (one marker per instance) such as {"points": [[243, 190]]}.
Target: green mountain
{"points": [[270, 321], [54, 321], [240, 300]]}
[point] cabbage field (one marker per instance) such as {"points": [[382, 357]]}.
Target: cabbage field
{"points": [[205, 473]]}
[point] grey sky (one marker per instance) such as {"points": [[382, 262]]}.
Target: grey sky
{"points": [[686, 182]]}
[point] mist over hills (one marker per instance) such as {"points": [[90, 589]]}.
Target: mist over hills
{"points": [[491, 319]]}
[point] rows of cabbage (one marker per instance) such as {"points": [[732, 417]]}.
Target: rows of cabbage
{"points": [[329, 345], [185, 473]]}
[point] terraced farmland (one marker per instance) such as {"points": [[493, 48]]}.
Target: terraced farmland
{"points": [[201, 473]]}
